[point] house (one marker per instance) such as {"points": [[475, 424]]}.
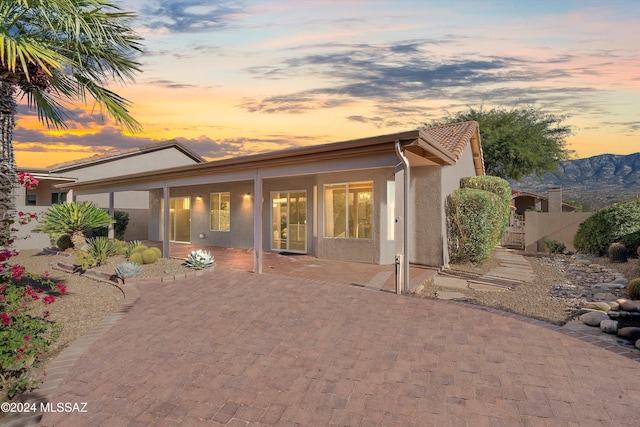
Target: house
{"points": [[116, 163], [377, 200], [523, 201]]}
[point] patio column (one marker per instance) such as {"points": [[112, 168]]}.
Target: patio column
{"points": [[111, 232], [70, 196], [257, 223], [165, 222], [403, 182]]}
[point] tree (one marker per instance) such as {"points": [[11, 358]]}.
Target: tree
{"points": [[74, 219], [517, 142], [52, 51]]}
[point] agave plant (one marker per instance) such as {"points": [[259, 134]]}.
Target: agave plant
{"points": [[128, 269], [100, 248], [74, 219], [199, 259]]}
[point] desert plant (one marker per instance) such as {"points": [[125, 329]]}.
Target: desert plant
{"points": [[616, 223], [633, 289], [131, 247], [84, 261], [136, 257], [199, 259], [149, 256], [157, 251], [64, 242], [617, 252], [74, 219], [120, 247], [100, 248], [140, 248], [128, 269], [121, 220], [555, 247]]}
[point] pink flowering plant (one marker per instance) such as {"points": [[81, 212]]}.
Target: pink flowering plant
{"points": [[25, 330]]}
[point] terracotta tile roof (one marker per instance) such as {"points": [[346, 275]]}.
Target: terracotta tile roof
{"points": [[454, 137], [100, 158]]}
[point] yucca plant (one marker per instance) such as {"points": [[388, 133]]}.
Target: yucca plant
{"points": [[100, 248], [74, 219]]}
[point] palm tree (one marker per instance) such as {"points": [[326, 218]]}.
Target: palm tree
{"points": [[74, 219], [53, 51]]}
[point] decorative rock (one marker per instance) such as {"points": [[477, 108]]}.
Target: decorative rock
{"points": [[628, 305], [605, 296], [638, 344], [614, 305], [602, 306], [609, 327], [594, 318], [620, 281], [631, 333]]}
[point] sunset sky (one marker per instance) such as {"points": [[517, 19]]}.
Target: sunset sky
{"points": [[232, 78]]}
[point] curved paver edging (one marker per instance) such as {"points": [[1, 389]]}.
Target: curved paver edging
{"points": [[57, 368]]}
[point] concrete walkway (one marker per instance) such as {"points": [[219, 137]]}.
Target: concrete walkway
{"points": [[235, 348]]}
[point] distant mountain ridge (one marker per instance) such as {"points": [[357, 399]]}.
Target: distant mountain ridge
{"points": [[598, 181]]}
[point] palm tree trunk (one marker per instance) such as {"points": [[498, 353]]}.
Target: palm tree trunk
{"points": [[7, 161]]}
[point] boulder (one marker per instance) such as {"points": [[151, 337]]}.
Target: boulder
{"points": [[593, 318], [631, 333], [628, 305], [609, 326]]}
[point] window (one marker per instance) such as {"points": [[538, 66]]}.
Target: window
{"points": [[31, 200], [220, 211], [348, 210], [58, 198]]}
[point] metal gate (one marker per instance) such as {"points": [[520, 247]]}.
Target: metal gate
{"points": [[513, 236]]}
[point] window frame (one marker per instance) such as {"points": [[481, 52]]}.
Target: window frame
{"points": [[347, 191], [220, 201]]}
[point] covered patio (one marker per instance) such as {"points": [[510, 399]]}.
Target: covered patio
{"points": [[376, 277]]}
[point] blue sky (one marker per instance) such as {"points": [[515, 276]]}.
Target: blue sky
{"points": [[232, 78]]}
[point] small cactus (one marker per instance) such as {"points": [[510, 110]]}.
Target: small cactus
{"points": [[633, 289], [139, 248], [617, 252], [199, 259], [64, 242], [149, 256], [136, 257], [126, 270], [157, 251]]}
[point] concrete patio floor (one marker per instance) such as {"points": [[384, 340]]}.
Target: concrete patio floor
{"points": [[380, 277]]}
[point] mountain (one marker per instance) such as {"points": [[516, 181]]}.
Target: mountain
{"points": [[597, 181]]}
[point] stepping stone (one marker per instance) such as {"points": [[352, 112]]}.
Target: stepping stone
{"points": [[450, 282], [450, 295]]}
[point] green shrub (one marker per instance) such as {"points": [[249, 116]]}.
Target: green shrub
{"points": [[616, 223], [149, 256], [474, 220], [136, 257], [633, 289], [100, 248], [555, 247], [121, 219], [494, 185], [64, 242]]}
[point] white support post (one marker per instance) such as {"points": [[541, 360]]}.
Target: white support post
{"points": [[257, 223], [111, 232], [165, 224]]}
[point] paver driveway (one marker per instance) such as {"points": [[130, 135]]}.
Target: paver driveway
{"points": [[237, 348]]}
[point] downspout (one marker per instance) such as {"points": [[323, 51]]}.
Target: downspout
{"points": [[405, 221]]}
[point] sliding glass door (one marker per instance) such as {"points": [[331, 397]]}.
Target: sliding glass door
{"points": [[289, 221], [179, 219]]}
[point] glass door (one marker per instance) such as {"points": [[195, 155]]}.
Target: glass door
{"points": [[289, 221], [179, 219]]}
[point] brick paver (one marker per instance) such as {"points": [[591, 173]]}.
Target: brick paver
{"points": [[235, 348]]}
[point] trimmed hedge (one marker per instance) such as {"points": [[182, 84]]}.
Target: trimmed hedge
{"points": [[616, 223], [475, 223], [494, 185]]}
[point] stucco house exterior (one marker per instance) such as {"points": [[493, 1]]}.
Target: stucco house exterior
{"points": [[116, 163], [377, 200]]}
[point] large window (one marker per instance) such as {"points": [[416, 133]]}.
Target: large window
{"points": [[348, 210], [220, 211]]}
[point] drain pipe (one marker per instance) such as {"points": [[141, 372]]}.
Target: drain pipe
{"points": [[403, 284]]}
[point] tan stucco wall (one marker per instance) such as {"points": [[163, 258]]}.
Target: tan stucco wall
{"points": [[560, 226], [25, 237]]}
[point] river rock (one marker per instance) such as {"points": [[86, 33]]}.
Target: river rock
{"points": [[638, 344], [631, 333], [594, 318], [609, 326], [620, 281], [602, 306], [628, 305], [614, 305]]}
